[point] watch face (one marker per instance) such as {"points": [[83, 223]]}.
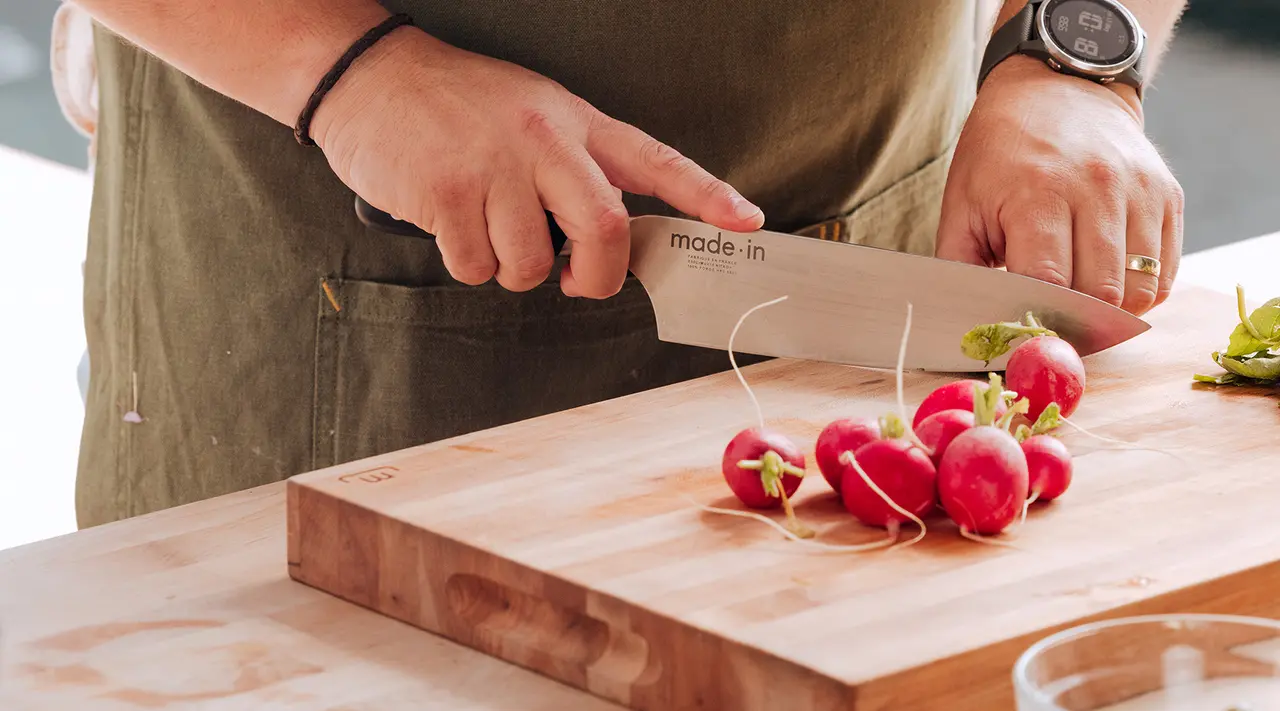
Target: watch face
{"points": [[1090, 30]]}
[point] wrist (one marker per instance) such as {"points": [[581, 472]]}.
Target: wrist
{"points": [[320, 43], [374, 75], [1033, 74]]}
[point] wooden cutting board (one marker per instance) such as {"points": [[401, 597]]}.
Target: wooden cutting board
{"points": [[568, 544]]}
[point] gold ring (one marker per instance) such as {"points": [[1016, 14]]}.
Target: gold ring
{"points": [[1146, 265]]}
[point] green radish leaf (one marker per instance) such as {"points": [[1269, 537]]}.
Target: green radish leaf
{"points": [[1263, 368], [1223, 379], [1022, 434], [990, 341], [986, 401], [1259, 332], [1048, 419]]}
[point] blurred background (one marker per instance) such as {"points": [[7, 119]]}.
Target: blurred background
{"points": [[1214, 111]]}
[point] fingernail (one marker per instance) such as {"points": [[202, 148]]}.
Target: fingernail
{"points": [[744, 210]]}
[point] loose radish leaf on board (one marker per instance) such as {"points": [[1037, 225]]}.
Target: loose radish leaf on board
{"points": [[1266, 323], [1261, 368], [1253, 351]]}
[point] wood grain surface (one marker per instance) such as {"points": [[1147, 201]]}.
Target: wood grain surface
{"points": [[570, 544], [191, 609]]}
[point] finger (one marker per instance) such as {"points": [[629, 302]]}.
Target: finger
{"points": [[462, 236], [519, 235], [960, 234], [1038, 244], [1170, 242], [1099, 249], [588, 208], [640, 164], [1143, 238]]}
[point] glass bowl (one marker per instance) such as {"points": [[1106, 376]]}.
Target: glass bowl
{"points": [[1154, 663]]}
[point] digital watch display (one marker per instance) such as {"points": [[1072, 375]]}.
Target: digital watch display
{"points": [[1099, 40]]}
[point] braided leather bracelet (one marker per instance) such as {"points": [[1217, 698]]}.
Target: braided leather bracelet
{"points": [[302, 132]]}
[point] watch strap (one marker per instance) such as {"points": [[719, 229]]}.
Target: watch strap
{"points": [[1008, 39], [1017, 35]]}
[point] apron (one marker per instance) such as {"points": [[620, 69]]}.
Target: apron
{"points": [[243, 326]]}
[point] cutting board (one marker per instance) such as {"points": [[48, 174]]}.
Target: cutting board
{"points": [[570, 544]]}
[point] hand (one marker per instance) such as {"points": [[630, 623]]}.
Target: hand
{"points": [[1054, 179], [473, 149]]}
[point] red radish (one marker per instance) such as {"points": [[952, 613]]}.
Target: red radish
{"points": [[901, 470], [956, 395], [983, 478], [753, 475], [763, 468], [847, 434], [1046, 369], [1048, 466], [937, 430]]}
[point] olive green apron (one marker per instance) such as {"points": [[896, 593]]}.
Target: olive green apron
{"points": [[234, 303]]}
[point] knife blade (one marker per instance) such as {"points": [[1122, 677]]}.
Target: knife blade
{"points": [[846, 303]]}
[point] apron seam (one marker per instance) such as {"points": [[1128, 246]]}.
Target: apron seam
{"points": [[133, 147]]}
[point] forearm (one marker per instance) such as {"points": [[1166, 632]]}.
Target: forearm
{"points": [[1157, 17], [267, 55]]}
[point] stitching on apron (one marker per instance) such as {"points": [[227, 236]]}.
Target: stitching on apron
{"points": [[846, 226], [135, 118]]}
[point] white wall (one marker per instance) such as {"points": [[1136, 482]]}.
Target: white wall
{"points": [[44, 211]]}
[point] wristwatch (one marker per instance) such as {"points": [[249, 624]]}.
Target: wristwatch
{"points": [[1098, 40]]}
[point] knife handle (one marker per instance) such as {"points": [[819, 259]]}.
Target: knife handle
{"points": [[384, 222]]}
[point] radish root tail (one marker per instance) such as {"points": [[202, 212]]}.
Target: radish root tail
{"points": [[902, 403], [734, 361], [1027, 505], [983, 539], [848, 458], [1122, 444], [826, 547]]}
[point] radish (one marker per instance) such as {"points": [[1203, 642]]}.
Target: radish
{"points": [[982, 476], [756, 461], [938, 430], [956, 395], [902, 472], [1048, 467], [1047, 369], [847, 434], [763, 468]]}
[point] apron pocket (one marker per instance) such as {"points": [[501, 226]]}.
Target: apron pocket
{"points": [[398, 366], [903, 217]]}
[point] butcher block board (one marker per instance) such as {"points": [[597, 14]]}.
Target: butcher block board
{"points": [[570, 544]]}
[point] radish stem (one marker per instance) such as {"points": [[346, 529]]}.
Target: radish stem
{"points": [[734, 362], [772, 468], [848, 458], [1246, 321]]}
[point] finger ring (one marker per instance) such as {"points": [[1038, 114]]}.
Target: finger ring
{"points": [[1146, 265]]}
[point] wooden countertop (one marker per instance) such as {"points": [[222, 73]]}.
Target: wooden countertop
{"points": [[193, 608]]}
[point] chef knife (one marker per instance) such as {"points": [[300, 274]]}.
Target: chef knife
{"points": [[846, 303]]}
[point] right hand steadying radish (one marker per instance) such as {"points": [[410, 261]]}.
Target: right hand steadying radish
{"points": [[473, 149]]}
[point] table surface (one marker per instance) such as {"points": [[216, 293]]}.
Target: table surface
{"points": [[209, 580]]}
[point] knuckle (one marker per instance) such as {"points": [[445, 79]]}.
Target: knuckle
{"points": [[1139, 298], [533, 268], [1177, 196], [1109, 290], [658, 156], [611, 224], [1050, 272], [537, 124], [472, 271], [1104, 175], [455, 190]]}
